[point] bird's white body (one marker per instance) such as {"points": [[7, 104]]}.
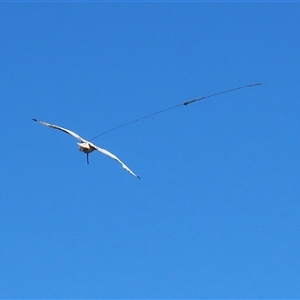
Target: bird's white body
{"points": [[86, 146]]}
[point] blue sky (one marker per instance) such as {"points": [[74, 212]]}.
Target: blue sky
{"points": [[216, 213]]}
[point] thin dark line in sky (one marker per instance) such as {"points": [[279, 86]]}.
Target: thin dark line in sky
{"points": [[174, 106]]}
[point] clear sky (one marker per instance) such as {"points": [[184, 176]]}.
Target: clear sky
{"points": [[216, 213]]}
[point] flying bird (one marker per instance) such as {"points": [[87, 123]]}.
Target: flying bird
{"points": [[86, 146]]}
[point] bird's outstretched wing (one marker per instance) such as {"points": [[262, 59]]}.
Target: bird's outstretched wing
{"points": [[114, 157], [75, 135]]}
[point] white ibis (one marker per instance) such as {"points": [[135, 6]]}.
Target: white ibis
{"points": [[86, 146]]}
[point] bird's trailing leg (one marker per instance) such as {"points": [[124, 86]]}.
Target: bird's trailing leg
{"points": [[87, 158]]}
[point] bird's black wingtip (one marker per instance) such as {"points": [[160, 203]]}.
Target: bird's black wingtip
{"points": [[35, 120]]}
